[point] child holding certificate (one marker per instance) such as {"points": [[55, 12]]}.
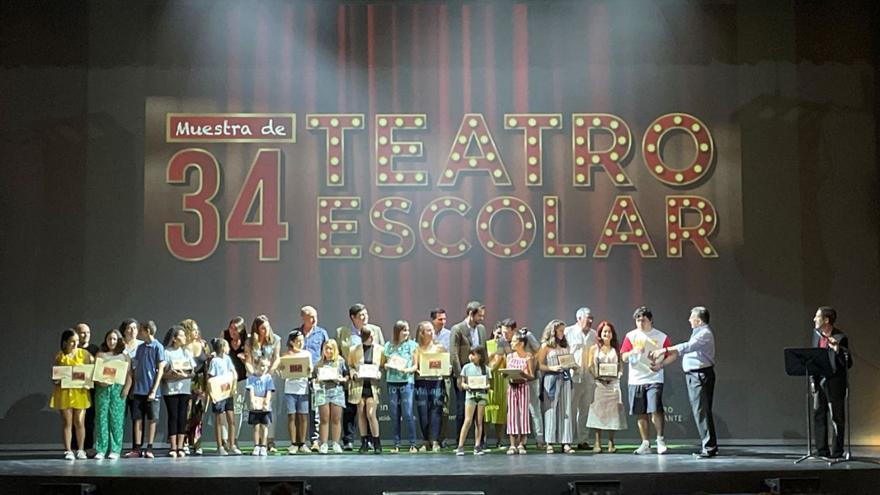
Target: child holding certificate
{"points": [[474, 380], [518, 395], [363, 391], [399, 363], [148, 366], [260, 390], [429, 390], [296, 396], [177, 387], [330, 373], [606, 411], [224, 410], [110, 401], [71, 402]]}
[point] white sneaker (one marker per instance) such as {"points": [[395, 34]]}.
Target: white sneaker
{"points": [[292, 450], [322, 449], [199, 451], [305, 449], [661, 445], [68, 455], [222, 451], [337, 449], [81, 454], [99, 456], [256, 451], [235, 450], [644, 448], [113, 456]]}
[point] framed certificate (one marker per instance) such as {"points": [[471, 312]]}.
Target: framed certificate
{"points": [[181, 365], [328, 373], [260, 404], [370, 371], [80, 377], [61, 372], [110, 371], [396, 362], [434, 364], [566, 361], [513, 373], [607, 370], [479, 382], [221, 387], [292, 367]]}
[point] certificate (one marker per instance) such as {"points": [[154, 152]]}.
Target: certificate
{"points": [[221, 387], [293, 367], [370, 371], [478, 382], [513, 373], [80, 377], [328, 373], [607, 370], [61, 372], [434, 364], [396, 362], [260, 404], [566, 361], [181, 364], [110, 371]]}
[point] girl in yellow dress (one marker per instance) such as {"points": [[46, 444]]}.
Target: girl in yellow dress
{"points": [[71, 402]]}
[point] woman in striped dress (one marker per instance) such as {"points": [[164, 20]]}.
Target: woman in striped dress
{"points": [[518, 395]]}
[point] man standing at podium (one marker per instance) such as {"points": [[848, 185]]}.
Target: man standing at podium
{"points": [[830, 393]]}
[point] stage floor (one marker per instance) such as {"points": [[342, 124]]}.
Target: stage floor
{"points": [[736, 470]]}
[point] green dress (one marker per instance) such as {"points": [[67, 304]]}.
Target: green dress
{"points": [[496, 408]]}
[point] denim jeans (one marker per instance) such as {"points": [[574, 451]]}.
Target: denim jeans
{"points": [[401, 401], [429, 402]]}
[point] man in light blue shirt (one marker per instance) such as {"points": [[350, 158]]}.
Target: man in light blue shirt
{"points": [[441, 333], [698, 363], [315, 336]]}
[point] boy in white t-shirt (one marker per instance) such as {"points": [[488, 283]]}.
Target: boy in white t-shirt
{"points": [[645, 377]]}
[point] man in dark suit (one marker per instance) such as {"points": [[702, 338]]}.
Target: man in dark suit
{"points": [[468, 333], [830, 392]]}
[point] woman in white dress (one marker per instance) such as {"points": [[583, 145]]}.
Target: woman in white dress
{"points": [[606, 411]]}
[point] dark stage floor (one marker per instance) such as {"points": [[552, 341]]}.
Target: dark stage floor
{"points": [[737, 470]]}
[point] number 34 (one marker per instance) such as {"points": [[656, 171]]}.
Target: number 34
{"points": [[262, 185]]}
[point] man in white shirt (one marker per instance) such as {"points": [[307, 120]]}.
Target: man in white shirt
{"points": [[645, 380], [581, 337]]}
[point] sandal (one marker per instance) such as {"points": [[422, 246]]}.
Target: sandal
{"points": [[597, 449], [511, 450], [549, 449], [611, 448], [521, 450], [567, 449]]}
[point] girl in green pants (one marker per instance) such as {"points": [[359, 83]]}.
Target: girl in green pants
{"points": [[110, 400]]}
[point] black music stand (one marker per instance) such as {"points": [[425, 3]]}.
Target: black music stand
{"points": [[807, 362]]}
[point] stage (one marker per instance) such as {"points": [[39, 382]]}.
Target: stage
{"points": [[737, 470]]}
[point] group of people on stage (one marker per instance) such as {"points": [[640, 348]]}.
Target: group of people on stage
{"points": [[556, 385]]}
